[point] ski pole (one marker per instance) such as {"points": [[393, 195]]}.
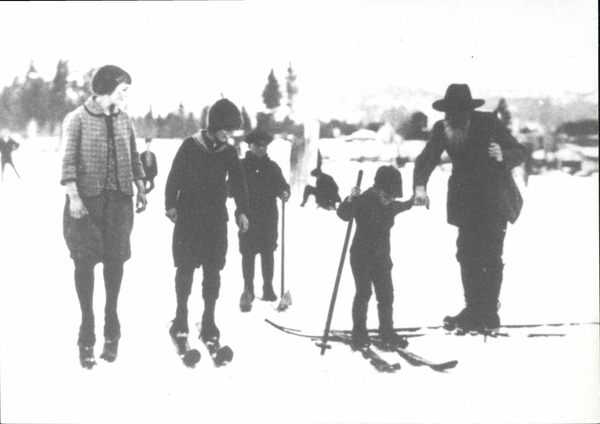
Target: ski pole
{"points": [[323, 344], [286, 297], [282, 246]]}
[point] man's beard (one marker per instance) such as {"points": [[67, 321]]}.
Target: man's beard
{"points": [[457, 137]]}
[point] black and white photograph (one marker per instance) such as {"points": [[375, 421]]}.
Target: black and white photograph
{"points": [[299, 212]]}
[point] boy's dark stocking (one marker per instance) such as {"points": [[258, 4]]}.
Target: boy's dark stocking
{"points": [[248, 261], [211, 285], [84, 285], [267, 262], [184, 277]]}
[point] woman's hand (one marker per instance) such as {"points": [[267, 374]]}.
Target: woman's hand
{"points": [[76, 207], [141, 202]]}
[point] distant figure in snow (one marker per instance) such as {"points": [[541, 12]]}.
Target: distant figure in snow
{"points": [[7, 147], [326, 191], [196, 201], [482, 198], [265, 183], [150, 165], [100, 166], [375, 211]]}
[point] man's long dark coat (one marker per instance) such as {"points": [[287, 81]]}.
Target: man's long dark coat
{"points": [[478, 183]]}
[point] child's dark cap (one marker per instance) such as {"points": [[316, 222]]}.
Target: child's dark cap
{"points": [[259, 137], [389, 179]]}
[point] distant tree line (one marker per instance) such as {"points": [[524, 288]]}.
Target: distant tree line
{"points": [[43, 105]]}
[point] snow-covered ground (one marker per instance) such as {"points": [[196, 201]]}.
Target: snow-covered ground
{"points": [[551, 276]]}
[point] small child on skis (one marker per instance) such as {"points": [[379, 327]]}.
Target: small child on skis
{"points": [[265, 183], [196, 201], [374, 212]]}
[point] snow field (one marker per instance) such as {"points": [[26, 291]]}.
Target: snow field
{"points": [[551, 275]]}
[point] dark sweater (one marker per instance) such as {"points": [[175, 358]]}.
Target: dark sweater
{"points": [[374, 221], [265, 183], [196, 184]]}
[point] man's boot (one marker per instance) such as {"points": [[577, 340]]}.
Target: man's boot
{"points": [[490, 303], [466, 320]]}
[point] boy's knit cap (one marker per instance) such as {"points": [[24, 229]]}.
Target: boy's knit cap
{"points": [[224, 115], [389, 179]]}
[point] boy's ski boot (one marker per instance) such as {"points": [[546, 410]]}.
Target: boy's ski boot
{"points": [[210, 334], [86, 357], [391, 341], [110, 350], [246, 300], [189, 357], [268, 293]]}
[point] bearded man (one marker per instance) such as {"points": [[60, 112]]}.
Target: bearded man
{"points": [[482, 198]]}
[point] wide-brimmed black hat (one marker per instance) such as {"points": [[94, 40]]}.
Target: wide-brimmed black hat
{"points": [[458, 98]]}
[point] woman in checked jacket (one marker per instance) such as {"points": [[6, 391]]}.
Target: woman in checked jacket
{"points": [[100, 166]]}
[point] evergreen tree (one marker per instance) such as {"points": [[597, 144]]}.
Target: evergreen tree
{"points": [[81, 90], [59, 102], [503, 113], [10, 113], [271, 94], [33, 99], [266, 122], [146, 127], [191, 125], [291, 87], [247, 125]]}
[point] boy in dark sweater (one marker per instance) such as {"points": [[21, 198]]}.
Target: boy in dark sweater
{"points": [[195, 200], [265, 183], [374, 211]]}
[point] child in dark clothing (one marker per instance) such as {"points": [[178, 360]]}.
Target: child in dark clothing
{"points": [[195, 200], [374, 212], [150, 165], [265, 183], [7, 146], [326, 191]]}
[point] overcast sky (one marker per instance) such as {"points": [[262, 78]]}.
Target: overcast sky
{"points": [[191, 51]]}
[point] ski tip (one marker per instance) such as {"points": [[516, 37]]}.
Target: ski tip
{"points": [[445, 366], [191, 358], [224, 355]]}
